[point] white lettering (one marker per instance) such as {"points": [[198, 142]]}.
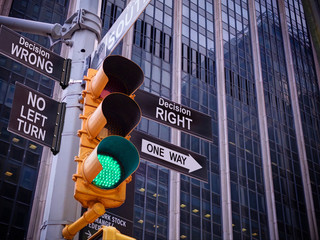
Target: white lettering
{"points": [[32, 99], [32, 59], [15, 49], [119, 221], [173, 106], [121, 27], [44, 118], [21, 40], [41, 100], [189, 121], [180, 120], [32, 54], [49, 67], [21, 112], [41, 103], [172, 118], [32, 130], [111, 41], [128, 20], [42, 134], [24, 54], [161, 101], [159, 113], [20, 121], [30, 115]]}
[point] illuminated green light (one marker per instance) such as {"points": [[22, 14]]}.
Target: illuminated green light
{"points": [[110, 174]]}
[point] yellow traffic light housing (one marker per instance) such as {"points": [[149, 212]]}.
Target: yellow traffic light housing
{"points": [[106, 157], [110, 113], [109, 233]]}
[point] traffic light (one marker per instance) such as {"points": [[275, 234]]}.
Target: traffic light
{"points": [[109, 233], [106, 157]]}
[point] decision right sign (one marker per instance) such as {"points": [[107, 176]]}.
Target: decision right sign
{"points": [[174, 115]]}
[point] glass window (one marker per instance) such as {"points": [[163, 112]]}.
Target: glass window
{"points": [[159, 15], [24, 195], [6, 207], [166, 79], [16, 153], [3, 90], [185, 30], [28, 177], [8, 190], [9, 97], [194, 35], [185, 11], [12, 172]]}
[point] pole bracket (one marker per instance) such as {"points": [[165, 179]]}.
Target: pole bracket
{"points": [[55, 148], [81, 20]]}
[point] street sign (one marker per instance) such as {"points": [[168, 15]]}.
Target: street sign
{"points": [[174, 115], [124, 22], [120, 218], [33, 55], [170, 156], [36, 117]]}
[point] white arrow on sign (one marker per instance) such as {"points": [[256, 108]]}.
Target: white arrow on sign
{"points": [[169, 155]]}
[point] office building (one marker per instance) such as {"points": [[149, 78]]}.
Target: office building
{"points": [[19, 157], [250, 65]]}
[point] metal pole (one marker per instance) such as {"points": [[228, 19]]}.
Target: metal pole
{"points": [[60, 207], [34, 27], [226, 210], [175, 182]]}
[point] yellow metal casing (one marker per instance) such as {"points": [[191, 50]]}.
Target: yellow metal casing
{"points": [[109, 233]]}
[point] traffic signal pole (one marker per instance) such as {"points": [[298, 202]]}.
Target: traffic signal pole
{"points": [[61, 208]]}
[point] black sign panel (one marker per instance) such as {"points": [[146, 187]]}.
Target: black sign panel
{"points": [[31, 54], [170, 156], [33, 115], [174, 115], [121, 218]]}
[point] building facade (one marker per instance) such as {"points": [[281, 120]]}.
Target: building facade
{"points": [[19, 157], [249, 65]]}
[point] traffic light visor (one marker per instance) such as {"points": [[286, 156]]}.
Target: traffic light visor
{"points": [[121, 112], [124, 75]]}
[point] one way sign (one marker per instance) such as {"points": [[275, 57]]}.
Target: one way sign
{"points": [[170, 156]]}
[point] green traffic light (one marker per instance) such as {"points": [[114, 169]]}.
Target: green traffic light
{"points": [[110, 174], [112, 162]]}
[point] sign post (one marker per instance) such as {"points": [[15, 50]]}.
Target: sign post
{"points": [[36, 117]]}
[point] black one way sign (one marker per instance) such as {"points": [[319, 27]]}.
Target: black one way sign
{"points": [[170, 156], [36, 117]]}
